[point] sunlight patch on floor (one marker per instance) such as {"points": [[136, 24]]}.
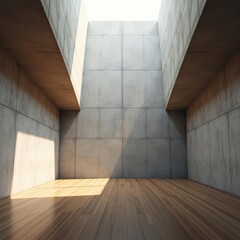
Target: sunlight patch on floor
{"points": [[65, 188]]}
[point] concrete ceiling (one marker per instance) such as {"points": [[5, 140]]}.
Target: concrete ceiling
{"points": [[215, 41], [28, 37]]}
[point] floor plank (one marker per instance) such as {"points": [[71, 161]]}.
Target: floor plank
{"points": [[120, 209]]}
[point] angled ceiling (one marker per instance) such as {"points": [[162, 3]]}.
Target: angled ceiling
{"points": [[215, 41], [28, 37]]}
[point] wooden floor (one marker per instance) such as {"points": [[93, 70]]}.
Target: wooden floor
{"points": [[120, 209]]}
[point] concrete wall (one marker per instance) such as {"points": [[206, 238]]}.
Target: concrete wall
{"points": [[122, 129], [213, 132], [69, 24], [177, 22], [29, 131]]}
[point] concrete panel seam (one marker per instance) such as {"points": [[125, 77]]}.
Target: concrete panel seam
{"points": [[30, 118], [225, 113]]}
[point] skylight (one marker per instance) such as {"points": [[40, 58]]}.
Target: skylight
{"points": [[122, 10]]}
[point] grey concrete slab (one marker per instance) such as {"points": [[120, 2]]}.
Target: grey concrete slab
{"points": [[103, 53], [219, 164], [215, 97], [50, 114], [8, 80], [151, 53], [232, 76], [110, 164], [134, 123], [87, 158], [234, 140], [133, 53], [135, 158], [56, 140], [53, 14], [185, 23], [68, 124], [157, 123], [29, 148], [88, 123], [110, 89], [111, 123], [190, 117], [45, 162], [201, 150], [93, 53], [7, 149], [140, 28], [158, 158], [90, 89], [154, 90], [104, 28], [194, 13], [112, 53], [32, 102], [61, 28], [177, 124], [29, 97], [191, 154], [178, 158], [134, 89], [67, 158]]}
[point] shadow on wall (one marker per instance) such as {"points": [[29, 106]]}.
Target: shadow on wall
{"points": [[161, 156], [122, 129]]}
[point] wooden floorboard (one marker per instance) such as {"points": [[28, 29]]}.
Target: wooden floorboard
{"points": [[120, 209]]}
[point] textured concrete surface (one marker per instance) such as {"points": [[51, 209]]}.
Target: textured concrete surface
{"points": [[104, 28], [213, 131], [88, 123], [29, 131], [110, 158], [103, 53], [7, 145], [111, 123], [234, 140], [157, 123], [158, 158], [142, 89], [134, 123], [140, 28], [178, 158], [134, 158], [67, 158], [141, 53], [87, 158], [8, 80], [177, 124], [122, 129]]}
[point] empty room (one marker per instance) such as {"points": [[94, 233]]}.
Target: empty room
{"points": [[120, 119]]}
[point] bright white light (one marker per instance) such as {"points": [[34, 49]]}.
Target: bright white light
{"points": [[122, 10]]}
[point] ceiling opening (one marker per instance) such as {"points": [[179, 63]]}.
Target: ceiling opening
{"points": [[122, 10]]}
